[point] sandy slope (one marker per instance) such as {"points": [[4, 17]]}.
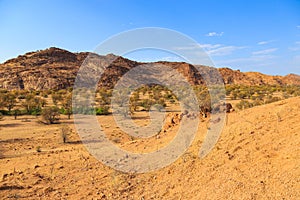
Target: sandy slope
{"points": [[257, 157]]}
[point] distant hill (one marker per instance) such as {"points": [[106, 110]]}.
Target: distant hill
{"points": [[55, 68]]}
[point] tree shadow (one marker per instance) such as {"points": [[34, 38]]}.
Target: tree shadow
{"points": [[140, 117], [83, 141], [11, 187], [13, 140], [10, 125]]}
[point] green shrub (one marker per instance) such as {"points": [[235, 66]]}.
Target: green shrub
{"points": [[35, 111], [273, 99], [243, 104], [83, 110], [4, 112], [102, 110], [257, 102], [146, 104]]}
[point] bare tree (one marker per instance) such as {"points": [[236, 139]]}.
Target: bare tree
{"points": [[51, 115]]}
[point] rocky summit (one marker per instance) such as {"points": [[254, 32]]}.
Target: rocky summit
{"points": [[54, 68]]}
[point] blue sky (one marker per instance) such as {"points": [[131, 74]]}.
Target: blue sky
{"points": [[256, 35]]}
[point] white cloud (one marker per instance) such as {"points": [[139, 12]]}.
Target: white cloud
{"points": [[198, 47], [265, 42], [212, 34], [224, 50], [247, 59], [298, 26], [210, 46], [190, 47], [294, 48], [266, 51], [255, 60], [211, 49]]}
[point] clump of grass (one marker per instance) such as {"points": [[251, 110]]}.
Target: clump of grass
{"points": [[52, 175]]}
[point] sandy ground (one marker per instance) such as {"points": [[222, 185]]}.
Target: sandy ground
{"points": [[256, 157]]}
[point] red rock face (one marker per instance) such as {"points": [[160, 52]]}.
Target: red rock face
{"points": [[55, 68]]}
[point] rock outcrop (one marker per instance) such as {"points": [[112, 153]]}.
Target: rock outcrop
{"points": [[54, 68]]}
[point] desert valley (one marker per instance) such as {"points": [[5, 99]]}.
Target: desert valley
{"points": [[42, 156]]}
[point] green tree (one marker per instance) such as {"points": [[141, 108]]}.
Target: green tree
{"points": [[16, 113], [67, 105], [9, 101], [33, 104]]}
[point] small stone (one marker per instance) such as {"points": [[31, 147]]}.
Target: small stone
{"points": [[36, 166]]}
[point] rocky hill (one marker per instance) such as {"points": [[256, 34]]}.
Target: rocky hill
{"points": [[55, 68]]}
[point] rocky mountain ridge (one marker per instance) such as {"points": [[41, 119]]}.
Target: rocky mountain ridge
{"points": [[55, 68]]}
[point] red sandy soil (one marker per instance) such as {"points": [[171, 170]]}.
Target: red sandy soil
{"points": [[256, 157]]}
